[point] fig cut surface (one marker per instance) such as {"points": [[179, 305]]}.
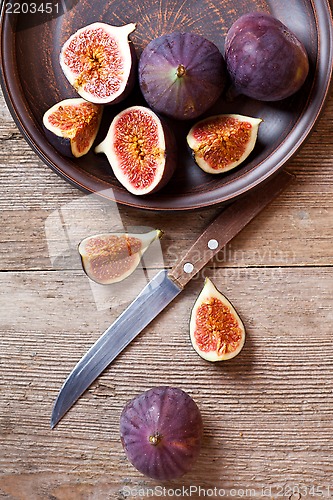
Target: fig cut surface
{"points": [[222, 142], [141, 150], [111, 257], [99, 62], [71, 126], [217, 332]]}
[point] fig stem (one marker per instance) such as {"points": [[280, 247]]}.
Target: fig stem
{"points": [[155, 439], [181, 70]]}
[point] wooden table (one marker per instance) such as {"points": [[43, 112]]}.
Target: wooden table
{"points": [[268, 414]]}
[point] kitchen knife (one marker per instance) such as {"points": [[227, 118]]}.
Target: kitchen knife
{"points": [[162, 289]]}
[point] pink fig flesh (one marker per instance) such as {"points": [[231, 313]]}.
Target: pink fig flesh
{"points": [[141, 150], [99, 62], [72, 125]]}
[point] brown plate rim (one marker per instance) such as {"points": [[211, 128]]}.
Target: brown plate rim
{"points": [[271, 165]]}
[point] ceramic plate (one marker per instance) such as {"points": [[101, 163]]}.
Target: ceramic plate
{"points": [[32, 81]]}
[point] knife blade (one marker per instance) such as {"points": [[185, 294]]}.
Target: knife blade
{"points": [[161, 290]]}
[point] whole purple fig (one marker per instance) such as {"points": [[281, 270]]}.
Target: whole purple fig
{"points": [[181, 74], [265, 60], [161, 432]]}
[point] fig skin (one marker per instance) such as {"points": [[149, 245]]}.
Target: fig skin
{"points": [[161, 432], [71, 126], [181, 75], [100, 62], [222, 142], [265, 60], [111, 257], [221, 337], [141, 150]]}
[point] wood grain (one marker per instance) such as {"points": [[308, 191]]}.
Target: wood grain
{"points": [[268, 413]]}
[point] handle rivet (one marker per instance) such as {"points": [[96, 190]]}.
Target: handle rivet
{"points": [[213, 244], [188, 267]]}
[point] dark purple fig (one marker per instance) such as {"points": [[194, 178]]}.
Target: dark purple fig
{"points": [[161, 432], [264, 58], [181, 74], [141, 150], [112, 257], [222, 142], [72, 125], [99, 62]]}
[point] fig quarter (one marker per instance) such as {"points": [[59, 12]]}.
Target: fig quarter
{"points": [[216, 330], [222, 142], [71, 126], [111, 257]]}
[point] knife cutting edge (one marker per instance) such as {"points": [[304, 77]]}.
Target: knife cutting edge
{"points": [[162, 289]]}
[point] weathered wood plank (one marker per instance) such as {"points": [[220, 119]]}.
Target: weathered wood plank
{"points": [[285, 234], [267, 413]]}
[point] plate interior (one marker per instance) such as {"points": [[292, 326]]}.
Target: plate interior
{"points": [[34, 81]]}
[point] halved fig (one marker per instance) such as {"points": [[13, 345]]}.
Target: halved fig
{"points": [[181, 75], [72, 125], [161, 432], [99, 62], [222, 142], [216, 330], [112, 257], [141, 150]]}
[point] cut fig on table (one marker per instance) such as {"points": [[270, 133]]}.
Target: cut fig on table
{"points": [[217, 332], [99, 62], [222, 142], [141, 150], [181, 75], [71, 126], [111, 257]]}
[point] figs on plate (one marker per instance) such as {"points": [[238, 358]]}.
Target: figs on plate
{"points": [[161, 432], [265, 60], [72, 125], [112, 257], [99, 62], [216, 330], [141, 150], [181, 74], [222, 142]]}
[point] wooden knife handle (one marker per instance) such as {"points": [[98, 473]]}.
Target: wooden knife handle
{"points": [[226, 225]]}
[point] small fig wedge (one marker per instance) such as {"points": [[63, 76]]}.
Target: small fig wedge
{"points": [[217, 332], [99, 62], [222, 142], [181, 75], [141, 150], [72, 125], [161, 432], [112, 257]]}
